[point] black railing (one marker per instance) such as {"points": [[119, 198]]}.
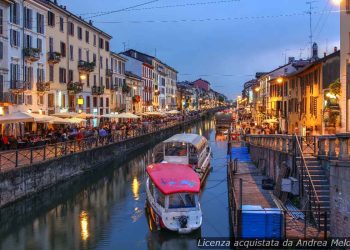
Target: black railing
{"points": [[11, 159]]}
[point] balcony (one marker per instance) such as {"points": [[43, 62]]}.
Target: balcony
{"points": [[115, 87], [43, 86], [97, 90], [31, 54], [74, 87], [20, 86], [53, 57], [86, 67], [109, 72], [6, 97]]}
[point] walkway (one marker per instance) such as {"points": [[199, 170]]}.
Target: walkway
{"points": [[253, 194]]}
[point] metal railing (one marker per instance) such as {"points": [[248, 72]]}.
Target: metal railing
{"points": [[314, 201], [11, 159]]}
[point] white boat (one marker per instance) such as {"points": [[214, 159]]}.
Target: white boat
{"points": [[172, 197], [190, 149]]}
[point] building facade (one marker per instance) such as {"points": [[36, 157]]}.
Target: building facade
{"points": [[117, 81], [22, 58], [134, 97], [78, 63]]}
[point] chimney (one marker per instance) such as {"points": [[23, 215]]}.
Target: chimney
{"points": [[335, 49], [291, 59], [64, 7], [90, 22], [55, 2], [324, 54]]}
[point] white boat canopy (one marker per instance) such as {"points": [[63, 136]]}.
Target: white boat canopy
{"points": [[25, 117], [194, 139]]}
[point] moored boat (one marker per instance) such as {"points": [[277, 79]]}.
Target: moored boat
{"points": [[189, 149], [173, 197]]}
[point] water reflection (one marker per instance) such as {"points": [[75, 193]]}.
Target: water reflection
{"points": [[105, 210], [84, 225], [135, 188]]}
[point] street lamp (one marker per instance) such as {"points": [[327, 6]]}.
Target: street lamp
{"points": [[279, 79], [257, 89], [337, 2]]}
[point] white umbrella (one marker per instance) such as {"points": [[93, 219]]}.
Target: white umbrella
{"points": [[155, 113], [76, 120], [109, 116], [66, 114], [270, 121], [58, 120], [127, 116], [24, 117], [174, 112], [86, 115]]}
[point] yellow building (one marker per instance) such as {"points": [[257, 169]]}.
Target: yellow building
{"points": [[78, 63]]}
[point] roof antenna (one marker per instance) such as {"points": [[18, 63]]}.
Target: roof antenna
{"points": [[155, 52]]}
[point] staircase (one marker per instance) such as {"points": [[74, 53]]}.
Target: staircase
{"points": [[316, 186]]}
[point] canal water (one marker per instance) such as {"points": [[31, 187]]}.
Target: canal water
{"points": [[106, 209]]}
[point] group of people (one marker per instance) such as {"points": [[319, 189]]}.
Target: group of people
{"points": [[105, 129]]}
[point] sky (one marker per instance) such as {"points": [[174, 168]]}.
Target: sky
{"points": [[223, 41]]}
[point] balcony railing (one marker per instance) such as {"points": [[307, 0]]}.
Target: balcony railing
{"points": [[109, 72], [53, 57], [43, 86], [31, 54], [74, 87], [18, 86], [6, 97], [86, 66], [97, 90]]}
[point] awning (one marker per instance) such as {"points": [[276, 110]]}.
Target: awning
{"points": [[58, 120], [273, 120], [66, 114], [76, 120], [25, 117], [154, 113], [174, 112], [109, 116], [127, 116]]}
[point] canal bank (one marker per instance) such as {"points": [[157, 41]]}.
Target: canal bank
{"points": [[104, 209], [19, 182]]}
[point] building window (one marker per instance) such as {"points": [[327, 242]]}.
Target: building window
{"points": [[79, 54], [62, 75], [40, 100], [28, 17], [15, 38], [80, 33], [63, 49], [50, 100], [107, 102], [50, 19], [40, 23], [95, 79], [28, 41], [70, 28], [88, 102], [94, 102], [87, 36], [40, 75], [101, 62], [101, 81], [94, 58], [39, 44], [88, 56], [14, 13], [101, 101], [107, 46], [71, 52], [50, 44], [101, 45], [1, 21], [61, 24], [1, 51], [51, 73], [107, 83], [94, 40], [70, 75], [88, 80]]}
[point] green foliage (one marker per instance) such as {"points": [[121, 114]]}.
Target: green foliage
{"points": [[334, 88]]}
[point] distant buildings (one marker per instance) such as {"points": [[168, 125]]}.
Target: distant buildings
{"points": [[300, 96]]}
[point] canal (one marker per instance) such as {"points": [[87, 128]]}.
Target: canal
{"points": [[105, 209]]}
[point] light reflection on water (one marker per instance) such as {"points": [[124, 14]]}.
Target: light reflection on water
{"points": [[105, 210]]}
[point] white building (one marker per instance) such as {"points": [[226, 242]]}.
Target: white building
{"points": [[344, 101], [117, 80], [23, 36]]}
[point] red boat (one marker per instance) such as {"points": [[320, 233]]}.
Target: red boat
{"points": [[172, 196]]}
